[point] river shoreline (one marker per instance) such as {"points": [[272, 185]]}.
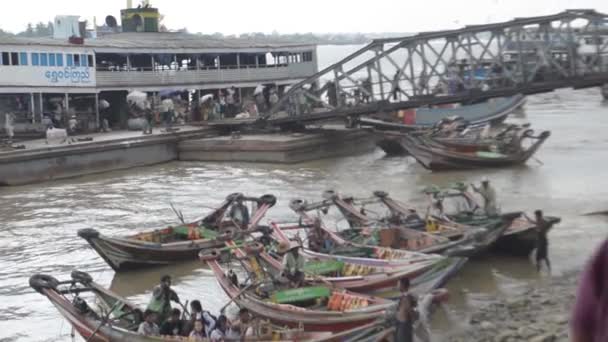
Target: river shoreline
{"points": [[540, 314]]}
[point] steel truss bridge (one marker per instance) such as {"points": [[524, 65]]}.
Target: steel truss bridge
{"points": [[474, 63]]}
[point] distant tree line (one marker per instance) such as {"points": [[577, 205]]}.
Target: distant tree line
{"points": [[46, 30], [39, 30]]}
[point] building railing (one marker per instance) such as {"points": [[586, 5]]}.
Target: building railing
{"points": [[203, 75]]}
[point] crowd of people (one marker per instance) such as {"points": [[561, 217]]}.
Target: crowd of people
{"points": [[198, 324]]}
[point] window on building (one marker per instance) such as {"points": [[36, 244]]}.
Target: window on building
{"points": [[44, 60], [6, 59], [51, 59], [307, 56], [59, 59], [76, 60], [23, 58], [83, 60], [90, 61], [14, 58], [35, 58], [70, 59]]}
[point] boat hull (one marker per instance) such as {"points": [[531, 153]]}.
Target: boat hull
{"points": [[519, 244], [439, 159], [127, 254], [310, 320]]}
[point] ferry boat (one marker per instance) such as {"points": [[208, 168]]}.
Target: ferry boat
{"points": [[78, 74]]}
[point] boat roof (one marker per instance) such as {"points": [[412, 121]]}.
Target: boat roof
{"points": [[175, 42]]}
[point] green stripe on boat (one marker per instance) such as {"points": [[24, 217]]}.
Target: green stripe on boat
{"points": [[301, 294], [323, 267]]}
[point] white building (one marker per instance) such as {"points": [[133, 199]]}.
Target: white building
{"points": [[43, 75]]}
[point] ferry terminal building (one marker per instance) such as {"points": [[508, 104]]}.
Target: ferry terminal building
{"points": [[38, 75]]}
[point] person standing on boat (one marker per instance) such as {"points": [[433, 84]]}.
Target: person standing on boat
{"points": [[319, 240], [406, 313], [293, 263], [488, 194], [162, 295], [239, 213], [542, 242]]}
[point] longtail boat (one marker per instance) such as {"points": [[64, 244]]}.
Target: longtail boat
{"points": [[115, 319], [374, 276], [518, 239], [435, 156], [490, 111], [457, 135], [467, 243], [179, 243], [315, 307]]}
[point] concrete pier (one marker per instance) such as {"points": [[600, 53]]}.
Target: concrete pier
{"points": [[278, 148], [106, 152]]}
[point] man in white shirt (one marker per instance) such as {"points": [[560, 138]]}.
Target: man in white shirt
{"points": [[9, 118], [167, 108]]}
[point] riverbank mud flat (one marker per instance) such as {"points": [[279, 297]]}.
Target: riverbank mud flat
{"points": [[540, 314]]}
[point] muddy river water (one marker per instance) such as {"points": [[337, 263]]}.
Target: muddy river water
{"points": [[39, 222]]}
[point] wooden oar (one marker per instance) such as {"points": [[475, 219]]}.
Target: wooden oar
{"points": [[237, 295], [596, 213], [104, 320], [179, 214], [185, 309]]}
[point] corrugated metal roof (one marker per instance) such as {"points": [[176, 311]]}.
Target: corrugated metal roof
{"points": [[152, 40]]}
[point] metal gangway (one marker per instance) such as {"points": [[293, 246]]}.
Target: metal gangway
{"points": [[471, 64]]}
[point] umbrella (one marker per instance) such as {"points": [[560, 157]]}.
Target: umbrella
{"points": [[258, 89], [169, 92], [138, 98], [206, 98]]}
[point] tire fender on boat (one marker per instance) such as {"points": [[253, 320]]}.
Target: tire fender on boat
{"points": [[269, 199], [234, 196], [209, 255], [329, 194], [297, 204], [82, 277], [88, 233], [253, 248], [380, 194], [40, 282]]}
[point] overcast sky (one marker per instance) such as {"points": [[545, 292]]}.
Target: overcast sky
{"points": [[287, 16]]}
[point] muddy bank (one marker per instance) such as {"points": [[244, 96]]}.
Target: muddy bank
{"points": [[540, 314]]}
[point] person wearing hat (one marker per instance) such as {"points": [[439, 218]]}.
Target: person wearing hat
{"points": [[487, 192], [293, 263], [162, 295]]}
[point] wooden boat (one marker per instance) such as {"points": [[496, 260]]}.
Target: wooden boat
{"points": [[491, 111], [518, 239], [174, 244], [435, 156], [315, 307], [375, 276], [115, 319], [467, 243], [457, 135]]}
